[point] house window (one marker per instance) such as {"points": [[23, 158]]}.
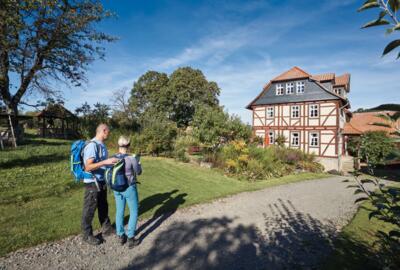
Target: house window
{"points": [[271, 135], [314, 110], [314, 139], [279, 89], [295, 139], [290, 88], [338, 91], [300, 87], [270, 112], [296, 111]]}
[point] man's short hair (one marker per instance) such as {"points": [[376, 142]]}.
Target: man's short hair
{"points": [[101, 127]]}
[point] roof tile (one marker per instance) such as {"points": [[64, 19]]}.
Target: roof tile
{"points": [[365, 121], [293, 73]]}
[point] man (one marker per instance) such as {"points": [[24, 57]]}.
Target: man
{"points": [[95, 157]]}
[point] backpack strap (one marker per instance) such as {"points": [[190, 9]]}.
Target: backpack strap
{"points": [[99, 153]]}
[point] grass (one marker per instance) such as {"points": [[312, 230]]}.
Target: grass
{"points": [[40, 202], [356, 246]]}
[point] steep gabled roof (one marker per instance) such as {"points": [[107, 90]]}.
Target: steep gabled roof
{"points": [[343, 80], [296, 73], [292, 74]]}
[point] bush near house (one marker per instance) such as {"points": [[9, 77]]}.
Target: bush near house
{"points": [[253, 163]]}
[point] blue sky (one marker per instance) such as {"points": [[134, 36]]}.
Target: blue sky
{"points": [[241, 45]]}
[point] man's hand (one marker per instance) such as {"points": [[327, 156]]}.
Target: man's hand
{"points": [[110, 161]]}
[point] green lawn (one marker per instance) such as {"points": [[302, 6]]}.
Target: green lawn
{"points": [[40, 202], [355, 247]]}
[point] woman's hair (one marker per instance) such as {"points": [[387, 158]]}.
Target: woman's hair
{"points": [[124, 141]]}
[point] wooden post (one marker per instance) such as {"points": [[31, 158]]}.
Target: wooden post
{"points": [[63, 127], [12, 130], [43, 127]]}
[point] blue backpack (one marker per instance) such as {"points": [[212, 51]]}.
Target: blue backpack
{"points": [[77, 164], [115, 175]]}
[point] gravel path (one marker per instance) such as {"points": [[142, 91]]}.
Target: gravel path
{"points": [[284, 227]]}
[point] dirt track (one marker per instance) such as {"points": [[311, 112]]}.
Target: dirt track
{"points": [[285, 227]]}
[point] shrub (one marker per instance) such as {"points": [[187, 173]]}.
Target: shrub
{"points": [[253, 163], [181, 146], [280, 140], [375, 147]]}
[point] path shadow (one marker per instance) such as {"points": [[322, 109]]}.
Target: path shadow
{"points": [[152, 201], [387, 172], [168, 208], [286, 239], [33, 160]]}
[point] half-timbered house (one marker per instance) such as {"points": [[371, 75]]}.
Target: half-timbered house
{"points": [[308, 110]]}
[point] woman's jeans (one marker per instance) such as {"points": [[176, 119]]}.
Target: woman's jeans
{"points": [[129, 196]]}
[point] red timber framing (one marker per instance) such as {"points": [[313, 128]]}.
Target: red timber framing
{"points": [[326, 124]]}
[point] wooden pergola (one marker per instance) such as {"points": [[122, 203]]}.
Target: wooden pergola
{"points": [[55, 121]]}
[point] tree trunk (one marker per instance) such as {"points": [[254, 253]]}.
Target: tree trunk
{"points": [[13, 111]]}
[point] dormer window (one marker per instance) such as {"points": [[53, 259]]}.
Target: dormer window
{"points": [[338, 91], [300, 87], [279, 89], [290, 88]]}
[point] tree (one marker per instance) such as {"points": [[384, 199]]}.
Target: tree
{"points": [[122, 115], [46, 41], [387, 16], [213, 127], [375, 146], [176, 96], [209, 126], [157, 134], [90, 118], [187, 89], [149, 92]]}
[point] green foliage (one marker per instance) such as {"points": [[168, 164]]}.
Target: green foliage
{"points": [[90, 118], [385, 208], [388, 9], [182, 143], [375, 147], [177, 95], [213, 127], [280, 140], [254, 163], [353, 146], [157, 135], [46, 42]]}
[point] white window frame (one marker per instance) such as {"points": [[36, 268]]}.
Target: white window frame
{"points": [[314, 110], [279, 89], [338, 91], [292, 110], [292, 137], [300, 86], [290, 86], [314, 140], [271, 138], [270, 112]]}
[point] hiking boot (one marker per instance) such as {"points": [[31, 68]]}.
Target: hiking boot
{"points": [[107, 230], [122, 239], [91, 240], [133, 242]]}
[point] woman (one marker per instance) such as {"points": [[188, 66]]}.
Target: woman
{"points": [[130, 196]]}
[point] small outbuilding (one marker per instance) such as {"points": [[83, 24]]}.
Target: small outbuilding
{"points": [[55, 121]]}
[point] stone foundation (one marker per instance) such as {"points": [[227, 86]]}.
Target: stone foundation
{"points": [[330, 163]]}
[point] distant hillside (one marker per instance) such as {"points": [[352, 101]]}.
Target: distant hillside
{"points": [[383, 107]]}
